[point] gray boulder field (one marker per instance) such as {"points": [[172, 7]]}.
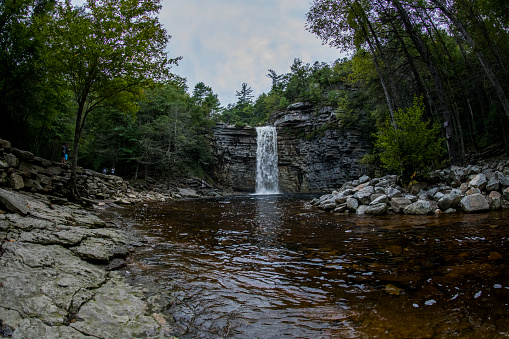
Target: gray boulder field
{"points": [[470, 189]]}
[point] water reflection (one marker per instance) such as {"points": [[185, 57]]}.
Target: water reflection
{"points": [[267, 223], [266, 267]]}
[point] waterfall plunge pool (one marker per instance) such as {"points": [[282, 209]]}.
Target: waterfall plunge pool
{"points": [[268, 267]]}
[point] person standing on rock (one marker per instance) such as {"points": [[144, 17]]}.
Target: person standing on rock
{"points": [[67, 149], [64, 153], [113, 171]]}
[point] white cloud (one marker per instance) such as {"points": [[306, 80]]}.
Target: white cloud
{"points": [[227, 42]]}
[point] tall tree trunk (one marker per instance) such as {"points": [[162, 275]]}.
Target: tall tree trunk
{"points": [[470, 41], [385, 78], [421, 48]]}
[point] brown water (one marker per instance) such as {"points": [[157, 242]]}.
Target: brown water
{"points": [[267, 267]]}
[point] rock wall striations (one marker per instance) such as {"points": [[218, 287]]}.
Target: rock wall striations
{"points": [[235, 153], [315, 153]]}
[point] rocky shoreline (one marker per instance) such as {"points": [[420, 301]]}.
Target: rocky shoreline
{"points": [[474, 188], [63, 274]]}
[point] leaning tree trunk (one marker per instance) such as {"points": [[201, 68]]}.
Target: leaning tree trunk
{"points": [[470, 41]]}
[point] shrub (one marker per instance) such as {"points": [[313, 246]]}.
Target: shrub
{"points": [[409, 144]]}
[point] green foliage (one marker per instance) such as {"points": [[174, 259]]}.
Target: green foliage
{"points": [[409, 145], [35, 111], [454, 52], [168, 136], [107, 52]]}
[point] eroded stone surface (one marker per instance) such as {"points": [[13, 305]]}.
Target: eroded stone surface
{"points": [[50, 286]]}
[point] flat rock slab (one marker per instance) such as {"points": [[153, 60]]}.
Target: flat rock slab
{"points": [[51, 288]]}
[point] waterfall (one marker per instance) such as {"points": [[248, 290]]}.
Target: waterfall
{"points": [[266, 161]]}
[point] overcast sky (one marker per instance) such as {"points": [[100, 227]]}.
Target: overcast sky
{"points": [[225, 43]]}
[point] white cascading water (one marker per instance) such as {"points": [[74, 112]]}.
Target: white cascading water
{"points": [[267, 181]]}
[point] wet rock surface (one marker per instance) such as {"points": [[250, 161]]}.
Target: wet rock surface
{"points": [[475, 188], [59, 276]]}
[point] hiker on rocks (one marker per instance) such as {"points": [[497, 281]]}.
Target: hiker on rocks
{"points": [[64, 153], [67, 149], [113, 171], [105, 170]]}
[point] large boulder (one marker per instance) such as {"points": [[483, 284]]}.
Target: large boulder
{"points": [[380, 199], [492, 185], [479, 181], [352, 204], [361, 210], [504, 181], [399, 203], [16, 181], [377, 209], [13, 202], [450, 200], [420, 207], [474, 203], [364, 195]]}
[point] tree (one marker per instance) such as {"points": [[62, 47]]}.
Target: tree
{"points": [[107, 51], [245, 95], [480, 55], [413, 147], [205, 98], [23, 83]]}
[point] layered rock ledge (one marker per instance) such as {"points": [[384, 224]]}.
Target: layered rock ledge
{"points": [[475, 188], [60, 277]]}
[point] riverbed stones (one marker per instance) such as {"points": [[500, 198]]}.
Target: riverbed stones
{"points": [[420, 207], [474, 203], [487, 187], [399, 203], [377, 209]]}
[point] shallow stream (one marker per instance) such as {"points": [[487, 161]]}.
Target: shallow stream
{"points": [[268, 267]]}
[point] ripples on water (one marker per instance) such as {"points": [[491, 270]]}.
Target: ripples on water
{"points": [[267, 267]]}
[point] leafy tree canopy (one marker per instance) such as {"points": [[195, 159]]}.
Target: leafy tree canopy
{"points": [[107, 51]]}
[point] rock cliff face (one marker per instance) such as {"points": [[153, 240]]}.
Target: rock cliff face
{"points": [[235, 152], [315, 153]]}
